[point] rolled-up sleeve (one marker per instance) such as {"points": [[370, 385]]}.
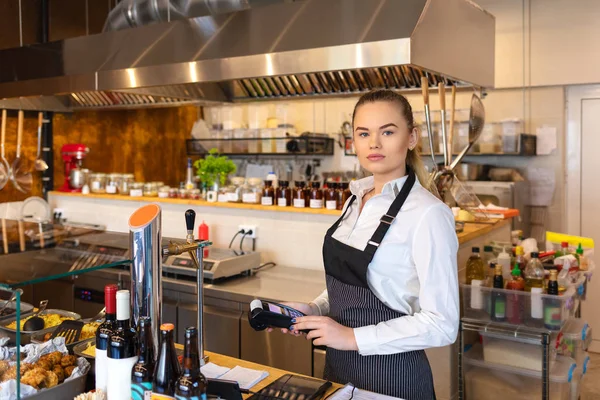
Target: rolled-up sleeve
{"points": [[322, 303], [434, 251]]}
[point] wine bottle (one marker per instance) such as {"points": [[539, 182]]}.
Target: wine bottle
{"points": [[103, 333], [192, 384], [167, 368], [143, 370], [122, 352]]}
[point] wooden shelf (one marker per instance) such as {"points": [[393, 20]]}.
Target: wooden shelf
{"points": [[200, 203]]}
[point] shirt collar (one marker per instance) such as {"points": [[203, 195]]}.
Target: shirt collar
{"points": [[364, 185]]}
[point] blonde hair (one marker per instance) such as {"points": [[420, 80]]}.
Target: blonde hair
{"points": [[413, 159]]}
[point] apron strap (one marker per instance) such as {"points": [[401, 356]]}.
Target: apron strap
{"points": [[389, 217], [337, 223]]}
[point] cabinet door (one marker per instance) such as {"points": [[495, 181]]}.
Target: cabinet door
{"points": [[275, 349], [221, 328]]}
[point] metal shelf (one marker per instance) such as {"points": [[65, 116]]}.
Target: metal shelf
{"points": [[249, 147]]}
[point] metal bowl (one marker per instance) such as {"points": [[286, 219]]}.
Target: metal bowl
{"points": [[26, 335], [26, 309], [469, 171], [78, 177]]}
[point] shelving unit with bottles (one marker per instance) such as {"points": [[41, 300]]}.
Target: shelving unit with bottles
{"points": [[272, 146]]}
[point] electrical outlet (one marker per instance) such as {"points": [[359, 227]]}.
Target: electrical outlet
{"points": [[246, 228]]}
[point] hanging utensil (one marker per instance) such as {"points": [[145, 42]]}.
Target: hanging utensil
{"points": [[40, 165], [4, 166], [12, 298], [451, 129], [425, 90], [476, 123], [442, 93], [22, 244], [21, 178], [4, 236]]}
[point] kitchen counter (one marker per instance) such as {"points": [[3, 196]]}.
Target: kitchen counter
{"points": [[474, 230]]}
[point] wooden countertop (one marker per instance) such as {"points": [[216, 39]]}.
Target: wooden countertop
{"points": [[274, 373], [200, 203], [473, 230]]}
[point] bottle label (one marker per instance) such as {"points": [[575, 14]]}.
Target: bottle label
{"points": [[136, 193], [95, 185], [266, 201], [249, 198], [299, 203], [233, 196], [553, 315], [331, 204], [111, 189], [500, 308], [222, 198], [316, 203], [282, 202], [141, 391], [156, 396]]}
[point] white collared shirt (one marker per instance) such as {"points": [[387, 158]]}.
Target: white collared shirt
{"points": [[413, 271]]}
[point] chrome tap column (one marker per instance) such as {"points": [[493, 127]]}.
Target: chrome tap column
{"points": [[146, 267]]}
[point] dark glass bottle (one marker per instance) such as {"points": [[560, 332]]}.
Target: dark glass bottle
{"points": [[103, 334], [167, 368], [307, 194], [143, 370], [346, 193], [268, 194], [498, 298], [316, 195], [122, 351], [299, 196], [331, 196], [283, 194], [552, 305], [191, 384]]}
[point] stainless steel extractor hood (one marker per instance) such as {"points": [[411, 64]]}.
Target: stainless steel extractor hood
{"points": [[288, 50]]}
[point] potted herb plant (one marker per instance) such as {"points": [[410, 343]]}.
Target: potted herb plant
{"points": [[214, 169]]}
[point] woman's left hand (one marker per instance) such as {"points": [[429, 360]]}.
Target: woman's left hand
{"points": [[326, 332]]}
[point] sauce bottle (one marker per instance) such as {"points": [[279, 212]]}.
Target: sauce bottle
{"points": [[552, 306], [339, 193], [534, 273], [331, 196], [307, 192], [475, 267], [283, 194], [498, 297], [514, 311], [504, 260], [346, 193], [520, 259], [316, 195], [299, 198], [268, 194]]}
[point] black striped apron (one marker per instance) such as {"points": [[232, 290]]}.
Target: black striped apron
{"points": [[352, 303]]}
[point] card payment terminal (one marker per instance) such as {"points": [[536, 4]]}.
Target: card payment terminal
{"points": [[266, 314]]}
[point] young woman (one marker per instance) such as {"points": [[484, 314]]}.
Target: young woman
{"points": [[390, 261]]}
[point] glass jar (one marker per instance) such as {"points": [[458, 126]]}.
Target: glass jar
{"points": [[173, 193], [136, 189], [163, 192], [307, 194], [252, 191], [331, 196], [316, 195], [113, 182], [234, 191], [195, 194], [125, 184], [346, 193], [98, 183], [299, 195], [182, 193], [268, 194], [150, 189], [283, 194]]}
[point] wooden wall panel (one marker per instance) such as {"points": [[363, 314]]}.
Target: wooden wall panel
{"points": [[150, 143]]}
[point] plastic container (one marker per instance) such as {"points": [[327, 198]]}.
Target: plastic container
{"points": [[579, 377], [502, 349], [511, 129], [489, 381], [574, 339], [555, 309]]}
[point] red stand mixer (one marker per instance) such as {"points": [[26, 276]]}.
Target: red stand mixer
{"points": [[73, 155]]}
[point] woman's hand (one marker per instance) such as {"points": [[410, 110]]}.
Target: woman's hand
{"points": [[304, 308], [326, 332]]}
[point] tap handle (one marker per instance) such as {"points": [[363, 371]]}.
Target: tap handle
{"points": [[190, 220]]}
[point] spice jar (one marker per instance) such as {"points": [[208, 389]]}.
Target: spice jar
{"points": [[316, 195], [98, 183], [346, 193], [299, 195], [125, 184], [173, 193], [182, 193], [252, 191], [136, 189], [234, 191], [195, 194], [268, 194], [163, 192], [113, 182], [283, 194], [331, 196]]}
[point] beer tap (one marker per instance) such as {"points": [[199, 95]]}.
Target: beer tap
{"points": [[195, 249]]}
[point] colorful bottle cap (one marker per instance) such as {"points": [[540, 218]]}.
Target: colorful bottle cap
{"points": [[167, 327]]}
